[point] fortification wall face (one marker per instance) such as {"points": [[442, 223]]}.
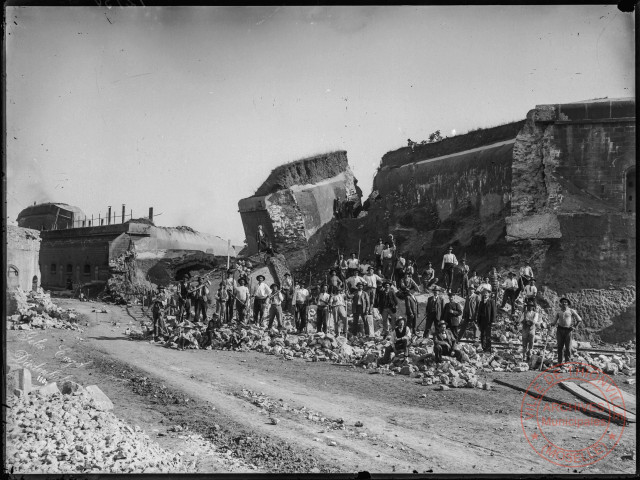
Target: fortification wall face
{"points": [[23, 253]]}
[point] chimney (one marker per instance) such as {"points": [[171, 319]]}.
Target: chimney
{"points": [[123, 213], [109, 216], [151, 213]]}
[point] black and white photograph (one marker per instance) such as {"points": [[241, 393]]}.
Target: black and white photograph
{"points": [[362, 240]]}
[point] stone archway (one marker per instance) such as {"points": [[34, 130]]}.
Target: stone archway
{"points": [[630, 191], [13, 277]]}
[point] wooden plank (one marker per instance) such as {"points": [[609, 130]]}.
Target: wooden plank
{"points": [[546, 398], [627, 402], [582, 394]]}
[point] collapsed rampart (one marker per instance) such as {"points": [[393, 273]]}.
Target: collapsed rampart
{"points": [[295, 203]]}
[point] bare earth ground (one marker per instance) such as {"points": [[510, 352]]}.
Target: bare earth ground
{"points": [[454, 431]]}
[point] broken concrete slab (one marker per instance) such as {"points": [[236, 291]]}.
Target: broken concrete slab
{"points": [[102, 402], [69, 387]]}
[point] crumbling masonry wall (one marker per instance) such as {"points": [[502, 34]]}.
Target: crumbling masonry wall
{"points": [[296, 203], [22, 260], [569, 207]]}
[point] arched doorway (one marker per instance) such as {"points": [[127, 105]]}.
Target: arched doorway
{"points": [[13, 277], [34, 283], [630, 191]]}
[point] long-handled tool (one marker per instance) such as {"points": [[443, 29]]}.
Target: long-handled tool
{"points": [[544, 350]]}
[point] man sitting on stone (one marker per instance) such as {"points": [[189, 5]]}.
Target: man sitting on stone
{"points": [[428, 277], [209, 334], [444, 343], [400, 338]]}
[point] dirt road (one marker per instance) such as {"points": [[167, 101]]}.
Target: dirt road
{"points": [[231, 397]]}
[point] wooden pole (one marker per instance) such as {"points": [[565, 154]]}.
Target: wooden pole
{"points": [[228, 248]]}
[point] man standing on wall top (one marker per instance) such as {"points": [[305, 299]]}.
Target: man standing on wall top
{"points": [[261, 239], [449, 261]]}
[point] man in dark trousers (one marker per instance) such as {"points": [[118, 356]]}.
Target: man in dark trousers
{"points": [[360, 307], [443, 343], [388, 305], [565, 319], [184, 298], [486, 316], [434, 310], [201, 296], [261, 239], [452, 313], [470, 316], [407, 284], [449, 262]]}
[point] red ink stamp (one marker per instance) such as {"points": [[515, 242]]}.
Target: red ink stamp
{"points": [[573, 415]]}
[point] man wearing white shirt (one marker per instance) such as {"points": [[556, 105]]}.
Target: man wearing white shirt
{"points": [[449, 261], [371, 282], [338, 304], [530, 320], [509, 295], [241, 293], [322, 312], [275, 309], [400, 338], [353, 265], [377, 252], [387, 260], [352, 282], [301, 298], [260, 294], [530, 291]]}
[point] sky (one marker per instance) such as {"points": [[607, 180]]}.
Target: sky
{"points": [[188, 109]]}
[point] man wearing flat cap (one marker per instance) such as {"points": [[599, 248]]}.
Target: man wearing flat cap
{"points": [[449, 262], [260, 294], [388, 306], [470, 315], [565, 319], [230, 286]]}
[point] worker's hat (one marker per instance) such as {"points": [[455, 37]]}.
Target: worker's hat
{"points": [[359, 284], [273, 285], [450, 248], [332, 271], [565, 299], [401, 318], [260, 277]]}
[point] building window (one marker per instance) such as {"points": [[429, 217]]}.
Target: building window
{"points": [[53, 268], [69, 268], [87, 269], [630, 194]]}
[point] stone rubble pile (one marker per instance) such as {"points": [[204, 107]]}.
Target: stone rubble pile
{"points": [[73, 433], [36, 310], [367, 352]]}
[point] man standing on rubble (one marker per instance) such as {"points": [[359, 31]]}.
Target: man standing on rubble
{"points": [[464, 285], [338, 305], [322, 311], [530, 320], [434, 310], [360, 309], [452, 313], [371, 282], [377, 253], [334, 281], [509, 295], [157, 311], [301, 297], [184, 299], [530, 291], [428, 277], [470, 316], [564, 320], [260, 294], [353, 265], [387, 260], [230, 287], [261, 239], [275, 309], [407, 284], [449, 261], [202, 296], [486, 317], [352, 282], [287, 292], [401, 264], [388, 307], [241, 296]]}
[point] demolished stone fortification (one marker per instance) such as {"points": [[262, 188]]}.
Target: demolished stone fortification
{"points": [[296, 203]]}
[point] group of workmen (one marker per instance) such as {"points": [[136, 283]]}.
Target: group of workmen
{"points": [[377, 287]]}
